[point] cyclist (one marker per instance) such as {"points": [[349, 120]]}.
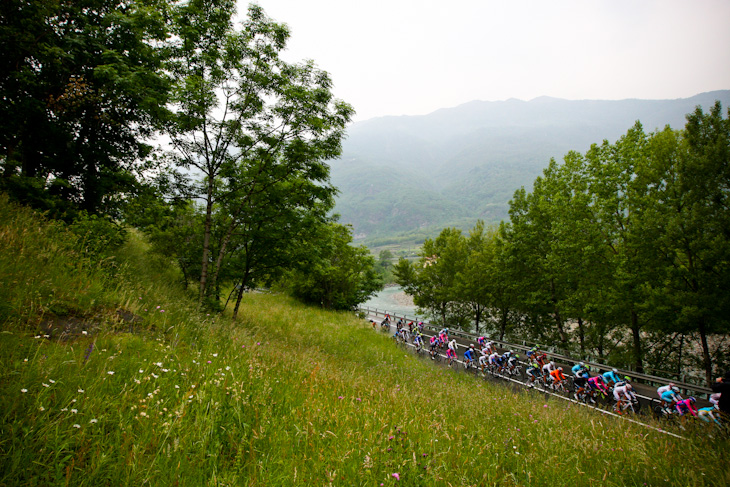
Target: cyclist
{"points": [[512, 362], [580, 370], [557, 376], [418, 340], [483, 358], [481, 341], [623, 390], [669, 397], [453, 345], [532, 372], [434, 343], [708, 414], [686, 406], [598, 384], [547, 369], [541, 358], [469, 356], [451, 355], [494, 360], [715, 399], [582, 387], [611, 377]]}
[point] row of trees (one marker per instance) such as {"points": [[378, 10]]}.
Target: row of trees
{"points": [[237, 191], [621, 253]]}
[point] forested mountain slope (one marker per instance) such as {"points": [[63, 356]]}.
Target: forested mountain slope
{"points": [[417, 174]]}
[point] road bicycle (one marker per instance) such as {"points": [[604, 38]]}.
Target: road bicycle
{"points": [[627, 407]]}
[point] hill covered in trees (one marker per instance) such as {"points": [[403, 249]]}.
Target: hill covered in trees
{"points": [[414, 175]]}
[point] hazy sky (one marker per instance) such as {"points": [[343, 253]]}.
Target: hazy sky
{"points": [[411, 57]]}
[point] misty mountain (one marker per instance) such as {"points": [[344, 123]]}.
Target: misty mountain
{"points": [[414, 175]]}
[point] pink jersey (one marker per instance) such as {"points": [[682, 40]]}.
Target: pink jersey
{"points": [[686, 404]]}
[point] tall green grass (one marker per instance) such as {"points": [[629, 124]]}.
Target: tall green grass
{"points": [[288, 395]]}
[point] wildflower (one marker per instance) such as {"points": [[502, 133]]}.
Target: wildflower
{"points": [[215, 354], [74, 411], [89, 349], [41, 408], [396, 476], [24, 391], [340, 397], [143, 413], [51, 381], [45, 385], [141, 371], [111, 372], [177, 386], [228, 368], [81, 391], [77, 426], [93, 421], [84, 332], [25, 360]]}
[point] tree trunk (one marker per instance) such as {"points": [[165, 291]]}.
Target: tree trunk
{"points": [[238, 302], [582, 337], [558, 317], [503, 324], [206, 243], [679, 359], [706, 359], [635, 331]]}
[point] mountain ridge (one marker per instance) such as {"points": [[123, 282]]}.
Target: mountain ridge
{"points": [[459, 164]]}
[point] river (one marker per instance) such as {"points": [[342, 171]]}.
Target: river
{"points": [[393, 300]]}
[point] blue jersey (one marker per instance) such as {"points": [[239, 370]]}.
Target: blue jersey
{"points": [[669, 396], [468, 354], [611, 376]]}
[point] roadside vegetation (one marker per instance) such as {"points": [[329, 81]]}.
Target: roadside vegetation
{"points": [[111, 376]]}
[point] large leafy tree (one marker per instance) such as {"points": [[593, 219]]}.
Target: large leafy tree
{"points": [[81, 88], [334, 274], [687, 194], [243, 118]]}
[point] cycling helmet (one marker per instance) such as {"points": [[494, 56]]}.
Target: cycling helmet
{"points": [[560, 369], [615, 371], [582, 364], [675, 389], [627, 378], [692, 399], [517, 356], [472, 345]]}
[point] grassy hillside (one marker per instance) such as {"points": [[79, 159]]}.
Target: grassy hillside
{"points": [[131, 386]]}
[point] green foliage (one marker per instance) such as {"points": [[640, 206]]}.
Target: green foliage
{"points": [[335, 275], [79, 97], [608, 251], [268, 126]]}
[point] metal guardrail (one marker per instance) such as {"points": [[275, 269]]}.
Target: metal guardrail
{"points": [[685, 387]]}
